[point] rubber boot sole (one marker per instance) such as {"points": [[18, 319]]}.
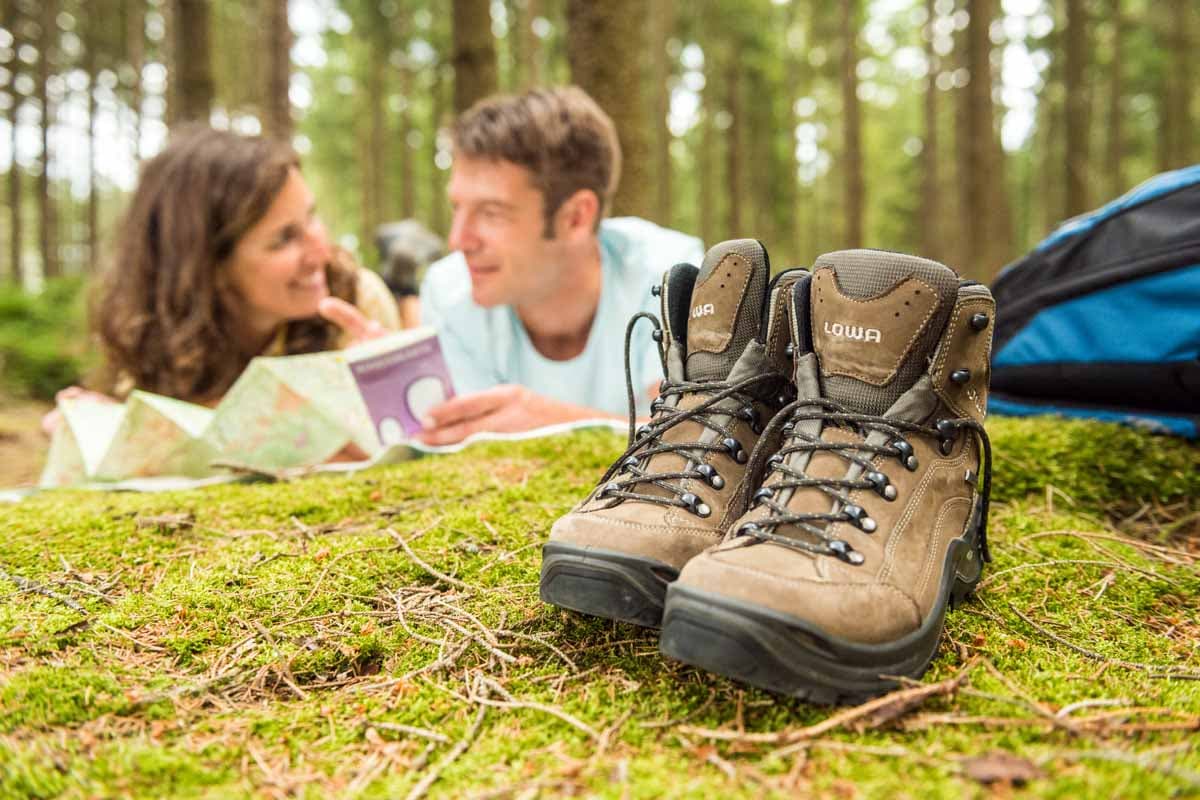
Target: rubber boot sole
{"points": [[788, 655], [605, 583]]}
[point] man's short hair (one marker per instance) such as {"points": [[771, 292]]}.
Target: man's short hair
{"points": [[560, 135]]}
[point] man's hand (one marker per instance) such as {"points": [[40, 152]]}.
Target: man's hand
{"points": [[502, 409], [347, 317], [54, 419]]}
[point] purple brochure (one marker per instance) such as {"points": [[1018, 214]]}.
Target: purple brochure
{"points": [[401, 385]]}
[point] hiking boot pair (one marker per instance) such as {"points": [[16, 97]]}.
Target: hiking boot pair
{"points": [[810, 493]]}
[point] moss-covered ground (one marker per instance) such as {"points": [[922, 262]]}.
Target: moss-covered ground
{"points": [[380, 635]]}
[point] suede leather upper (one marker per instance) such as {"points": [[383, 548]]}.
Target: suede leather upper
{"points": [[731, 295], [900, 579]]}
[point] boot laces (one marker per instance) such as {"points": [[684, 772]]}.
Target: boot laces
{"points": [[816, 525], [630, 470]]}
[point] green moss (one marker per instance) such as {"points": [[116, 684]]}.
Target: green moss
{"points": [[1091, 463], [312, 563], [46, 696]]}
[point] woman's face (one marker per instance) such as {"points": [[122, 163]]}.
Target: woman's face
{"points": [[277, 268]]}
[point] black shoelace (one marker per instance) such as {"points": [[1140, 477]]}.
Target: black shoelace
{"points": [[870, 478], [622, 479]]}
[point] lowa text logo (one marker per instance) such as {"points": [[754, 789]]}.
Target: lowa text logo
{"points": [[856, 332]]}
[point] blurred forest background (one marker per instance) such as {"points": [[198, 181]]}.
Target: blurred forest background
{"points": [[963, 130], [959, 129]]}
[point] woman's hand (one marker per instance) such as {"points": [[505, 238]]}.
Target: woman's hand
{"points": [[53, 419], [347, 317]]}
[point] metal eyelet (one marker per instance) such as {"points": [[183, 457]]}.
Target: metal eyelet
{"points": [[907, 458], [845, 552], [858, 517], [764, 493], [631, 461], [656, 290], [789, 350], [711, 476], [979, 321], [948, 432], [657, 335], [735, 449], [695, 505], [606, 488], [961, 376], [747, 529], [774, 461], [883, 486]]}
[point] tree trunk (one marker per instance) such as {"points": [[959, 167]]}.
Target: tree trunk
{"points": [[135, 52], [1077, 108], [277, 105], [799, 82], [13, 271], [91, 45], [1176, 123], [605, 43], [191, 67], [733, 151], [439, 90], [988, 219], [375, 160], [852, 166], [526, 44], [1116, 87], [408, 201], [932, 223], [47, 234], [1049, 194], [664, 25], [473, 54], [706, 182]]}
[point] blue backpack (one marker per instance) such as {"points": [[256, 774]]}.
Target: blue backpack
{"points": [[1102, 319]]}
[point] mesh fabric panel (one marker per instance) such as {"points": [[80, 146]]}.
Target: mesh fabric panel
{"points": [[864, 274]]}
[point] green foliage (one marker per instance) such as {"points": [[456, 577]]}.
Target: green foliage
{"points": [[259, 646], [43, 339]]}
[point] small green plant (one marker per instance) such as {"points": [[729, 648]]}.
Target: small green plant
{"points": [[43, 338]]}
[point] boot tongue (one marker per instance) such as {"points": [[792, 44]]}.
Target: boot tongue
{"points": [[726, 307], [876, 319]]}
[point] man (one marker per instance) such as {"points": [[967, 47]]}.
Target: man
{"points": [[531, 309]]}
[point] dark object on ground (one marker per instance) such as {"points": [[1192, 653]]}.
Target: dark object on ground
{"points": [[1102, 319], [406, 248]]}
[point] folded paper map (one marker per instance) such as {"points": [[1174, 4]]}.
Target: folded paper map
{"points": [[283, 412]]}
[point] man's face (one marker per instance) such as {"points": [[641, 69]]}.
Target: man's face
{"points": [[498, 225]]}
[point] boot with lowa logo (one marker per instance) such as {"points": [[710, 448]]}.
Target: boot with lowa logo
{"points": [[870, 521]]}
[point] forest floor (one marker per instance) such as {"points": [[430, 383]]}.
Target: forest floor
{"points": [[22, 444], [380, 635]]}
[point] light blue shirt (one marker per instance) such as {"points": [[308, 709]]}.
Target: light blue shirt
{"points": [[485, 347]]}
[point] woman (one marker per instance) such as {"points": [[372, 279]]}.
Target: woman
{"points": [[221, 258]]}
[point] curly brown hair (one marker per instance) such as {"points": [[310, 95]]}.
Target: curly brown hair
{"points": [[164, 314]]}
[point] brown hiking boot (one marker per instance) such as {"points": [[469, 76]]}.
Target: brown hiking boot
{"points": [[684, 478], [872, 516]]}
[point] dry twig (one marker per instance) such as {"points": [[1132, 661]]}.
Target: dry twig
{"points": [[869, 715]]}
